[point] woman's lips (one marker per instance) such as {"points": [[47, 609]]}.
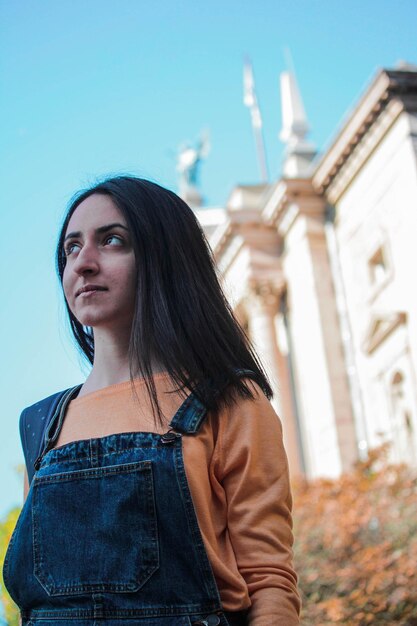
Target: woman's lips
{"points": [[88, 288], [90, 293]]}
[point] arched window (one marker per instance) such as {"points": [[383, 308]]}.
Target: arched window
{"points": [[402, 420]]}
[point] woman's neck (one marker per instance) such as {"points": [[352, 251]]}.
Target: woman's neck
{"points": [[111, 361]]}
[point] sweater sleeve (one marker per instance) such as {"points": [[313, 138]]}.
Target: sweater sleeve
{"points": [[253, 469]]}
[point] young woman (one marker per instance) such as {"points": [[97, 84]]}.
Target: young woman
{"points": [[160, 495]]}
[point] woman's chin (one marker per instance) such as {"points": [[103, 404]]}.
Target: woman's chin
{"points": [[107, 324], [94, 321]]}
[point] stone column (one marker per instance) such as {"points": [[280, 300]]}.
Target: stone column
{"points": [[262, 306], [322, 388]]}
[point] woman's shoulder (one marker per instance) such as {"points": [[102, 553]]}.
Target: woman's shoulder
{"points": [[33, 422], [38, 415], [46, 403], [256, 401], [249, 417]]}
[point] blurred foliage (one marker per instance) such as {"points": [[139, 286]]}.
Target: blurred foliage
{"points": [[7, 525], [356, 545]]}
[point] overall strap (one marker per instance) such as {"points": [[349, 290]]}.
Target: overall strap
{"points": [[191, 413], [55, 423], [33, 425], [189, 417]]}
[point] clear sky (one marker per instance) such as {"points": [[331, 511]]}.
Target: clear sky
{"points": [[94, 87]]}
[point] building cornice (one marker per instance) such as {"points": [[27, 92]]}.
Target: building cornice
{"points": [[390, 93], [381, 326], [243, 208], [287, 193]]}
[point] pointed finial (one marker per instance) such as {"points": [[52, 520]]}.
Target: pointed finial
{"points": [[299, 152], [289, 60]]}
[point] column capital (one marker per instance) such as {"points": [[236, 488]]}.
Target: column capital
{"points": [[264, 294]]}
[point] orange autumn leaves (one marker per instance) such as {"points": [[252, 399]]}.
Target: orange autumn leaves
{"points": [[356, 545]]}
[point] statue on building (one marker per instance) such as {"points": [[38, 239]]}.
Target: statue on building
{"points": [[188, 162]]}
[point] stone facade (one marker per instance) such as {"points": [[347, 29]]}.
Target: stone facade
{"points": [[319, 268]]}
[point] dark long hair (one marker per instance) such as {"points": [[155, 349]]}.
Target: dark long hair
{"points": [[182, 319]]}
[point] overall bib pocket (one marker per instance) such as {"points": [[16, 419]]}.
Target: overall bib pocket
{"points": [[95, 529]]}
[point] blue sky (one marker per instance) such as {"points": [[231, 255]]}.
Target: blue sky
{"points": [[95, 87]]}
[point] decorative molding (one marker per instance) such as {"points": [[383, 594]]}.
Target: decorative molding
{"points": [[243, 208], [363, 149], [290, 191], [392, 90], [380, 327], [263, 295]]}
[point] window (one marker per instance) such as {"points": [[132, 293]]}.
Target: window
{"points": [[378, 267], [402, 419]]}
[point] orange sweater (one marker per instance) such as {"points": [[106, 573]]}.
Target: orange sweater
{"points": [[237, 471]]}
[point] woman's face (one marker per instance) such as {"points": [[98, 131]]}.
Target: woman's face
{"points": [[99, 278]]}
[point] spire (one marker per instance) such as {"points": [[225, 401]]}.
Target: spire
{"points": [[299, 152]]}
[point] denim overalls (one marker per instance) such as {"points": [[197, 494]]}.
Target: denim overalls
{"points": [[108, 534]]}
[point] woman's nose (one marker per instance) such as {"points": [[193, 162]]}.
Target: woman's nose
{"points": [[87, 260]]}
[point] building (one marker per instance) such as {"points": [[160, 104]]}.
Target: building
{"points": [[319, 267]]}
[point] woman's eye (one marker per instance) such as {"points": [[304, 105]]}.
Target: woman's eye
{"points": [[69, 248], [113, 240], [119, 241]]}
